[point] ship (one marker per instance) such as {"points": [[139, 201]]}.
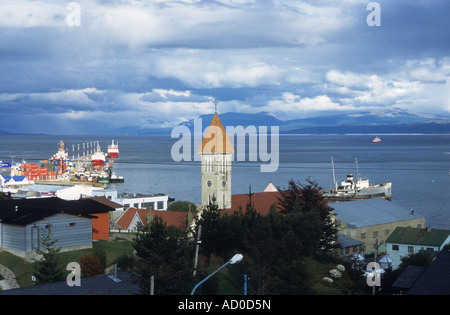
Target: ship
{"points": [[98, 158], [113, 150], [361, 188], [376, 140]]}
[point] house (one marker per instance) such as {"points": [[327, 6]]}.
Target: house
{"points": [[14, 180], [348, 246], [408, 240], [373, 220], [118, 208], [101, 221], [262, 201], [406, 280], [435, 280], [431, 280], [74, 224], [144, 201], [132, 219]]}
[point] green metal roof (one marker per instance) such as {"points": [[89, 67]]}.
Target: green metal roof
{"points": [[418, 236]]}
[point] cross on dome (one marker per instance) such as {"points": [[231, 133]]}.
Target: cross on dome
{"points": [[215, 102]]}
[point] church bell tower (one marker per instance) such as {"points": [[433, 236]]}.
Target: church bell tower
{"points": [[216, 155]]}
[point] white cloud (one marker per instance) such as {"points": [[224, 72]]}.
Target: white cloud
{"points": [[25, 14], [291, 106], [214, 69]]}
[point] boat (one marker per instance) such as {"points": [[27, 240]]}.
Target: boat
{"points": [[113, 150], [376, 140], [98, 157], [113, 178], [361, 188]]}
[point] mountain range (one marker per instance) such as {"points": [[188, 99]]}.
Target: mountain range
{"points": [[393, 120], [376, 122]]}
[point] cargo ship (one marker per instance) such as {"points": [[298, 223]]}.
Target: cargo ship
{"points": [[91, 167], [361, 188], [113, 150]]}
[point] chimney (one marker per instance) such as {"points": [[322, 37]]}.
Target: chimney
{"points": [[114, 277]]}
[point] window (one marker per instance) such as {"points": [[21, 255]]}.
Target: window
{"points": [[148, 205], [72, 224], [160, 205], [136, 205], [410, 249], [395, 247], [386, 232], [375, 234], [363, 236]]}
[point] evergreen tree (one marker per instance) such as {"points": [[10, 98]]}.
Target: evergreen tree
{"points": [[46, 269], [163, 252], [308, 199]]}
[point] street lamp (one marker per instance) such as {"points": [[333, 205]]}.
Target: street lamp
{"points": [[236, 259]]}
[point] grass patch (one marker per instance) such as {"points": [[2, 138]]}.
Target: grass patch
{"points": [[24, 269], [20, 267]]}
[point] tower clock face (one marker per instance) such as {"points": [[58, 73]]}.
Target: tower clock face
{"points": [[209, 183], [224, 183]]}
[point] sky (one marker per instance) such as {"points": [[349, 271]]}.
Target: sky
{"points": [[108, 66]]}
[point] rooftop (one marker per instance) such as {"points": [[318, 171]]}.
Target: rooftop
{"points": [[418, 236], [219, 143], [25, 211], [368, 212], [99, 285]]}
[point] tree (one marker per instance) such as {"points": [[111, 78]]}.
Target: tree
{"points": [[421, 258], [307, 198], [163, 252], [46, 269], [183, 206]]}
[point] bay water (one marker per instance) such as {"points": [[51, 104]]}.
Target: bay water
{"points": [[418, 166]]}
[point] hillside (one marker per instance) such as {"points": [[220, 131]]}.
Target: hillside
{"points": [[379, 122]]}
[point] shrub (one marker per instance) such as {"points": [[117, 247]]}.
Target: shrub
{"points": [[90, 266]]}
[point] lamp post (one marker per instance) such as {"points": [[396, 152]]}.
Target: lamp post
{"points": [[236, 258]]}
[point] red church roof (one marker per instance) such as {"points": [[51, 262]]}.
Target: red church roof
{"points": [[216, 139], [262, 201]]}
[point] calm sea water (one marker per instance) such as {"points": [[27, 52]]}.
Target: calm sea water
{"points": [[417, 165]]}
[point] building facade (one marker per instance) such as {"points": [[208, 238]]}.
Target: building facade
{"points": [[404, 241], [373, 220], [216, 156]]}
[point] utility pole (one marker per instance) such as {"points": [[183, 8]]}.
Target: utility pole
{"points": [[152, 285], [196, 249], [376, 245]]}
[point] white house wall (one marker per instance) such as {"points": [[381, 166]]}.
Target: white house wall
{"points": [[138, 201], [68, 230], [75, 192], [12, 237], [402, 251]]}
